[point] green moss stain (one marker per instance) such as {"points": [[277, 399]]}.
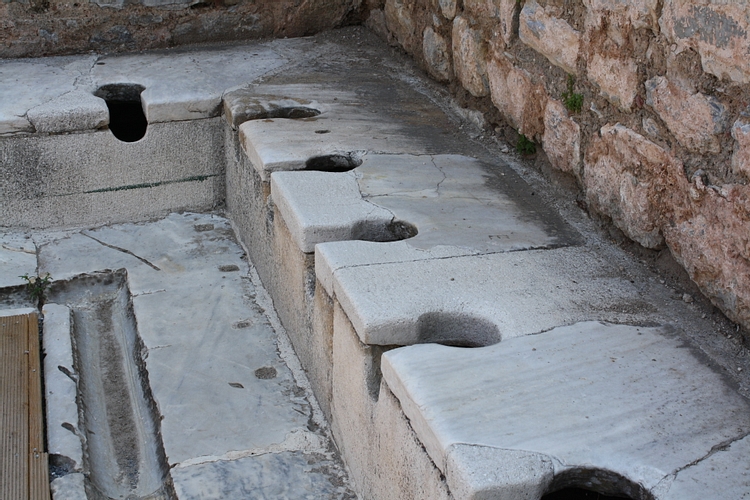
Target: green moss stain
{"points": [[145, 185]]}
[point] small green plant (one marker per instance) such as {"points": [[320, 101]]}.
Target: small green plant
{"points": [[525, 146], [572, 101], [37, 285]]}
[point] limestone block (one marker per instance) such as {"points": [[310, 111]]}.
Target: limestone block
{"points": [[695, 119], [72, 111], [741, 156], [562, 138], [448, 8], [636, 13], [711, 239], [625, 175], [503, 11], [469, 57], [245, 104], [519, 99], [617, 78], [436, 55], [399, 21], [552, 37], [483, 472], [718, 31]]}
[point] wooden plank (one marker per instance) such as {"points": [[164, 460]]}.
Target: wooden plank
{"points": [[38, 462], [14, 367]]}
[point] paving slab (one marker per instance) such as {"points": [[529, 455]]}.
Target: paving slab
{"points": [[33, 83], [219, 383], [631, 400], [446, 200], [481, 299], [17, 258], [56, 94], [325, 206]]}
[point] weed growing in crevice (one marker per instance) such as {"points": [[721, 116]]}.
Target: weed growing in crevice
{"points": [[36, 286], [525, 146], [573, 102]]}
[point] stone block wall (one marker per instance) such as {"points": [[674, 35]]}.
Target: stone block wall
{"points": [[661, 145], [30, 28]]}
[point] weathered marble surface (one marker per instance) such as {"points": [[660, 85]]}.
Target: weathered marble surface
{"points": [[451, 199], [17, 258], [218, 380], [632, 400]]}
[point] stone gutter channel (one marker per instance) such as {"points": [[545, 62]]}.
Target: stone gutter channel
{"points": [[300, 280]]}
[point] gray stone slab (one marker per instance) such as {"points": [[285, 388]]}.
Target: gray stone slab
{"points": [[55, 94], [723, 474], [194, 363], [17, 258], [187, 85], [28, 83], [60, 377], [342, 128], [286, 475], [19, 311], [445, 197], [93, 178], [484, 473], [246, 104], [69, 487], [631, 400], [324, 206], [70, 112], [453, 201], [482, 298]]}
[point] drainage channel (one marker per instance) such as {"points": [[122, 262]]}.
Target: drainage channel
{"points": [[123, 451]]}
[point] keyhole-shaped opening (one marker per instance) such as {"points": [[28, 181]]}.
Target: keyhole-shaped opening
{"points": [[127, 121]]}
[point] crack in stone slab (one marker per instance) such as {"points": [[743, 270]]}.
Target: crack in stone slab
{"points": [[297, 440], [123, 250]]}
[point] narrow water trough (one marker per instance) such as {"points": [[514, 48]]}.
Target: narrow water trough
{"points": [[123, 451]]}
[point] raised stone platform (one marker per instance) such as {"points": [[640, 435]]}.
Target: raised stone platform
{"points": [[376, 225]]}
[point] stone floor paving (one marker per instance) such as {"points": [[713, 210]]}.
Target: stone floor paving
{"points": [[237, 418]]}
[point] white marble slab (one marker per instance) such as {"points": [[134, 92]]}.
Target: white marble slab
{"points": [[17, 258], [55, 94], [446, 197], [342, 128], [631, 400], [187, 85], [28, 83], [518, 292], [723, 474], [324, 206]]}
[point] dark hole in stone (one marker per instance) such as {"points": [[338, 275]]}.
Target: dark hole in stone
{"points": [[456, 329], [60, 465], [322, 131], [594, 484], [126, 118], [229, 268], [266, 373], [395, 230], [333, 163], [579, 494], [294, 112]]}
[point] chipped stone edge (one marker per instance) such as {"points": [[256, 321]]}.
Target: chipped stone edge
{"points": [[60, 388]]}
